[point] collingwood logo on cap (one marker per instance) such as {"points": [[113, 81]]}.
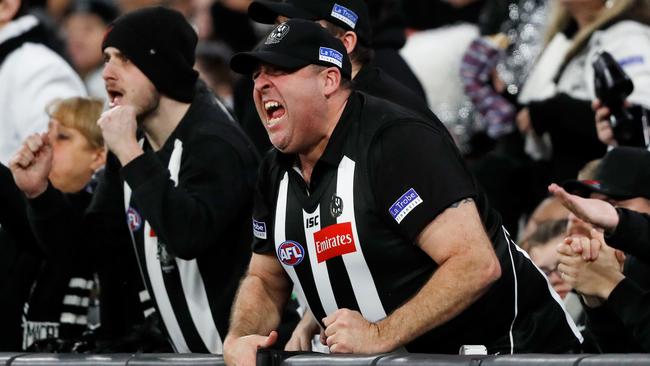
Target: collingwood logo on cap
{"points": [[345, 15], [330, 55], [278, 33]]}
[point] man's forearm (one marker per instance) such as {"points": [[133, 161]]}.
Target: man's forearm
{"points": [[448, 292], [256, 310]]}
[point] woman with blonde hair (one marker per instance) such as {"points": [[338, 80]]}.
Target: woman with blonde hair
{"points": [[42, 279], [77, 142]]}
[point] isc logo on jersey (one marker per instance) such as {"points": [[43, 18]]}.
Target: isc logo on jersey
{"points": [[333, 241], [291, 253]]}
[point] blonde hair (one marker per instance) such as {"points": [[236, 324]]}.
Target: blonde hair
{"points": [[82, 115], [561, 18]]}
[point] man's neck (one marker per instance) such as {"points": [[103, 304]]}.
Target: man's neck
{"points": [[356, 67], [160, 124]]}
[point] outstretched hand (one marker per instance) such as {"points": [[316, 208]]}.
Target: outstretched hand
{"points": [[593, 211], [31, 165]]}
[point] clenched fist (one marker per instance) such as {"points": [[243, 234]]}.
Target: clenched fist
{"points": [[119, 126], [31, 165]]}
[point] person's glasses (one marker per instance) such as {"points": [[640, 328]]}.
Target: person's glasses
{"points": [[549, 271]]}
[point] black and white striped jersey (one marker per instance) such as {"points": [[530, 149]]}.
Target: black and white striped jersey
{"points": [[347, 240], [188, 209]]}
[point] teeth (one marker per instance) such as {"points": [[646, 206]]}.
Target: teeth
{"points": [[269, 105]]}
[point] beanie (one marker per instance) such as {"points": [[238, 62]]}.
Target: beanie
{"points": [[161, 43]]}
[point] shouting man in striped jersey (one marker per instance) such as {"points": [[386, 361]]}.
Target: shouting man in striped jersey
{"points": [[369, 211]]}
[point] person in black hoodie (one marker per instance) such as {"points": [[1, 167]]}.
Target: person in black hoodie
{"points": [[182, 194], [603, 278], [612, 286]]}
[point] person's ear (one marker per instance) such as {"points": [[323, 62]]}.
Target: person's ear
{"points": [[99, 159], [332, 80], [8, 9], [349, 40]]}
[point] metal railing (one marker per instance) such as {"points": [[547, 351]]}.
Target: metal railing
{"points": [[278, 358]]}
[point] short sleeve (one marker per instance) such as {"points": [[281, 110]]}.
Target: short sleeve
{"points": [[262, 223], [416, 172]]}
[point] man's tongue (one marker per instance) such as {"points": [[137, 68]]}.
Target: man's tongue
{"points": [[277, 113], [116, 100]]}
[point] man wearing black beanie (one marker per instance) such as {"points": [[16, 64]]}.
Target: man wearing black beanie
{"points": [[185, 189]]}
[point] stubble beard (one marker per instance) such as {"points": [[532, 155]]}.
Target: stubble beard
{"points": [[150, 109]]}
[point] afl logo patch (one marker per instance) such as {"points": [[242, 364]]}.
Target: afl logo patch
{"points": [[133, 219], [291, 253], [278, 33]]}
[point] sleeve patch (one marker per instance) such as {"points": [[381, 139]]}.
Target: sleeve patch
{"points": [[259, 229], [405, 204]]}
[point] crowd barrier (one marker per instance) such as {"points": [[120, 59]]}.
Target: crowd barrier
{"points": [[277, 358]]}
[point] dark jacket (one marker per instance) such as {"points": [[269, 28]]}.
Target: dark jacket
{"points": [[185, 214], [622, 324]]}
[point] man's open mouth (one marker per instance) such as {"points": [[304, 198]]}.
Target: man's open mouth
{"points": [[274, 112]]}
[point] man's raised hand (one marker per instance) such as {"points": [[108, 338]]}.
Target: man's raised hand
{"points": [[31, 165]]}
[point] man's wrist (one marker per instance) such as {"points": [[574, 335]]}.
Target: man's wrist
{"points": [[38, 190], [591, 301], [387, 340], [610, 284], [612, 220], [128, 154]]}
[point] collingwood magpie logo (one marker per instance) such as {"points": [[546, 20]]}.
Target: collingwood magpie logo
{"points": [[278, 33], [336, 206]]}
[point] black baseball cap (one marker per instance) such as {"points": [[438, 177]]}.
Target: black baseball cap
{"points": [[348, 14], [294, 44], [623, 173], [106, 10]]}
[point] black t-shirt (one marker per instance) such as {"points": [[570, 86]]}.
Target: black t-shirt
{"points": [[347, 240]]}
